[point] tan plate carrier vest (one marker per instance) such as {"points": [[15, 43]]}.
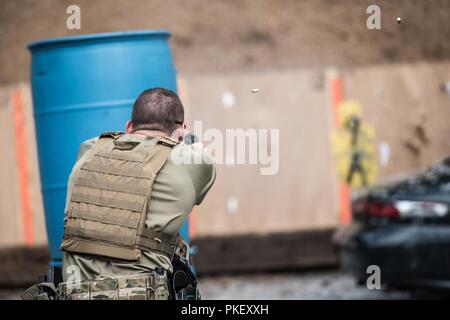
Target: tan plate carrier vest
{"points": [[110, 197]]}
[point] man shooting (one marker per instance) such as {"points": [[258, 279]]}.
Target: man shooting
{"points": [[126, 203]]}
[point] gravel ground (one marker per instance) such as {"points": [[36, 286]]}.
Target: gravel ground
{"points": [[317, 285], [10, 294]]}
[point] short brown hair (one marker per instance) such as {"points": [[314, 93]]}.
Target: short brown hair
{"points": [[157, 109]]}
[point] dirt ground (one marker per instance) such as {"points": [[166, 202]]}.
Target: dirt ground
{"points": [[241, 35]]}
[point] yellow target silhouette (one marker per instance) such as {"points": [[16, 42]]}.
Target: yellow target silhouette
{"points": [[353, 147]]}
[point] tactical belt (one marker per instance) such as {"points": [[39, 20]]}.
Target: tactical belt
{"points": [[152, 286]]}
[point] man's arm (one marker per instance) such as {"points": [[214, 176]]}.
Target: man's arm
{"points": [[202, 175]]}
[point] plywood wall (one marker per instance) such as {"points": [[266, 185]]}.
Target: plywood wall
{"points": [[301, 195], [409, 107], [406, 104], [19, 226]]}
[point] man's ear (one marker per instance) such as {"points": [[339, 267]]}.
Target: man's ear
{"points": [[129, 127], [179, 133]]}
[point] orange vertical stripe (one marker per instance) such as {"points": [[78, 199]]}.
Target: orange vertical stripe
{"points": [[337, 88], [346, 210], [338, 93], [22, 167]]}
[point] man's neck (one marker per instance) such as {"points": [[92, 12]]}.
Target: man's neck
{"points": [[151, 133]]}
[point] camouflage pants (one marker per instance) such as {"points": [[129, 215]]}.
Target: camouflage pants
{"points": [[141, 287]]}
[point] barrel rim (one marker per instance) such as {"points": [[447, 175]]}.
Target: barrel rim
{"points": [[97, 36]]}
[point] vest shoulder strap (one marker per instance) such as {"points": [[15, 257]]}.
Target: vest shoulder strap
{"points": [[112, 134], [168, 141]]}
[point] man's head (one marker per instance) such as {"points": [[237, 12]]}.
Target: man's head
{"points": [[157, 109]]}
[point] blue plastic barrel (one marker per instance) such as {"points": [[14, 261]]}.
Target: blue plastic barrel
{"points": [[83, 86]]}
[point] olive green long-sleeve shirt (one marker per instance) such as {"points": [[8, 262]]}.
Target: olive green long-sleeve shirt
{"points": [[176, 189]]}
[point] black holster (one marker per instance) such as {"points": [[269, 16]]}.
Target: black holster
{"points": [[182, 282]]}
